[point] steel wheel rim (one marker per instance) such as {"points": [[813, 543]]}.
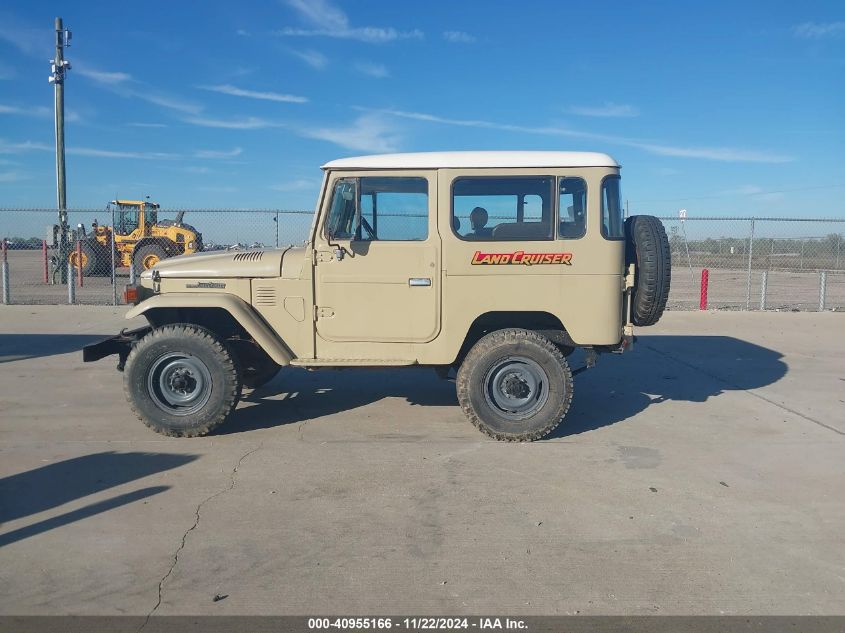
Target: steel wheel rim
{"points": [[516, 387], [149, 261], [179, 384]]}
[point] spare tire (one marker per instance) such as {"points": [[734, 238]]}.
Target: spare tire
{"points": [[647, 247]]}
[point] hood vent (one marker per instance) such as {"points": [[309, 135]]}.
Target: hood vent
{"points": [[249, 256], [265, 296]]}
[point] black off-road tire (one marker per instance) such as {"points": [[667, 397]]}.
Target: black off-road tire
{"points": [[647, 247], [194, 343], [491, 352], [92, 258], [145, 252]]}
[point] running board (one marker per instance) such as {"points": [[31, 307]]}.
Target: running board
{"points": [[351, 362]]}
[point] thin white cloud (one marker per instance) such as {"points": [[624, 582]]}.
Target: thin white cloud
{"points": [[299, 184], [329, 20], [168, 102], [27, 40], [368, 133], [37, 111], [124, 85], [243, 33], [459, 37], [608, 110], [313, 58], [727, 154], [102, 76], [379, 71], [27, 146], [215, 154], [147, 125], [13, 176], [243, 123], [234, 91], [819, 30]]}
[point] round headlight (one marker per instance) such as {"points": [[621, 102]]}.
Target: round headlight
{"points": [[191, 245]]}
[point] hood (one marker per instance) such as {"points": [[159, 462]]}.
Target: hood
{"points": [[223, 264]]}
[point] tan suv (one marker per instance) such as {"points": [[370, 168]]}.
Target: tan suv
{"points": [[496, 265]]}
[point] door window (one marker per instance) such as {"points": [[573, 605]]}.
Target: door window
{"points": [[379, 209]]}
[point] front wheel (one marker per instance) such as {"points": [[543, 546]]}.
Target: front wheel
{"points": [[515, 385], [148, 256], [181, 380]]}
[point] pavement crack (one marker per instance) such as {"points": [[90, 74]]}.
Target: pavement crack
{"points": [[197, 516], [750, 392]]}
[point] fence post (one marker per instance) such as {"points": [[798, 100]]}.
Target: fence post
{"points": [[764, 284], [6, 290], [71, 288], [113, 263], [822, 289], [46, 262], [705, 282], [277, 229], [79, 262], [748, 279]]}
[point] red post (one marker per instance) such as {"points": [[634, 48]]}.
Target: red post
{"points": [[45, 262], [79, 263], [705, 281]]}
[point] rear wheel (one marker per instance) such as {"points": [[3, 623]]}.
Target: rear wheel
{"points": [[90, 260], [181, 380], [515, 385], [148, 256]]}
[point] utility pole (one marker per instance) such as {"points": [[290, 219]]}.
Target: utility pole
{"points": [[59, 68]]}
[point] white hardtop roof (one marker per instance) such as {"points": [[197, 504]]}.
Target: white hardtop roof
{"points": [[452, 160]]}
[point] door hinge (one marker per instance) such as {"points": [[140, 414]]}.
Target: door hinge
{"points": [[322, 313]]}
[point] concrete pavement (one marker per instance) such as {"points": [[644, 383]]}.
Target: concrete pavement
{"points": [[701, 474]]}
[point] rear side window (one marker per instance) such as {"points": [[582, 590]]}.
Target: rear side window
{"points": [[573, 208], [501, 209], [612, 223]]}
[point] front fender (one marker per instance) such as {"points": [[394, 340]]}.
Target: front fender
{"points": [[241, 311]]}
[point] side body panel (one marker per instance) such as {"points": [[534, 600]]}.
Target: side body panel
{"points": [[585, 295]]}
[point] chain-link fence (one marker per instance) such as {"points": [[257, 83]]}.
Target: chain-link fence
{"points": [[751, 263], [757, 263], [106, 249]]}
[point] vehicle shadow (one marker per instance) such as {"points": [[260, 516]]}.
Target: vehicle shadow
{"points": [[53, 485], [661, 368], [22, 346], [295, 395], [664, 368]]}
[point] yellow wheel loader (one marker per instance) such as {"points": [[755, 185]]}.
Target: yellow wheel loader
{"points": [[141, 240]]}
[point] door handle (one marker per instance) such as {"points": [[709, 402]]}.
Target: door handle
{"points": [[419, 281]]}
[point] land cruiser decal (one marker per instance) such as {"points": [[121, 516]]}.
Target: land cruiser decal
{"points": [[521, 258]]}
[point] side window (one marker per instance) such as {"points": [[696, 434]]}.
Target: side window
{"points": [[386, 209], [573, 208], [394, 209], [612, 223], [502, 208]]}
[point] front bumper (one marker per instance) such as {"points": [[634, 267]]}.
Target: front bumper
{"points": [[120, 345]]}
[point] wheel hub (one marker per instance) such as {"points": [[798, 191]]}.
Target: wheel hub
{"points": [[178, 383], [516, 387]]}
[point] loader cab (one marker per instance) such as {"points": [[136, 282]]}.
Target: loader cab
{"points": [[133, 215]]}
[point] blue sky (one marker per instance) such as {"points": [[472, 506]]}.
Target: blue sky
{"points": [[719, 107]]}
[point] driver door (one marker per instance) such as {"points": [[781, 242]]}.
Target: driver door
{"points": [[377, 261]]}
